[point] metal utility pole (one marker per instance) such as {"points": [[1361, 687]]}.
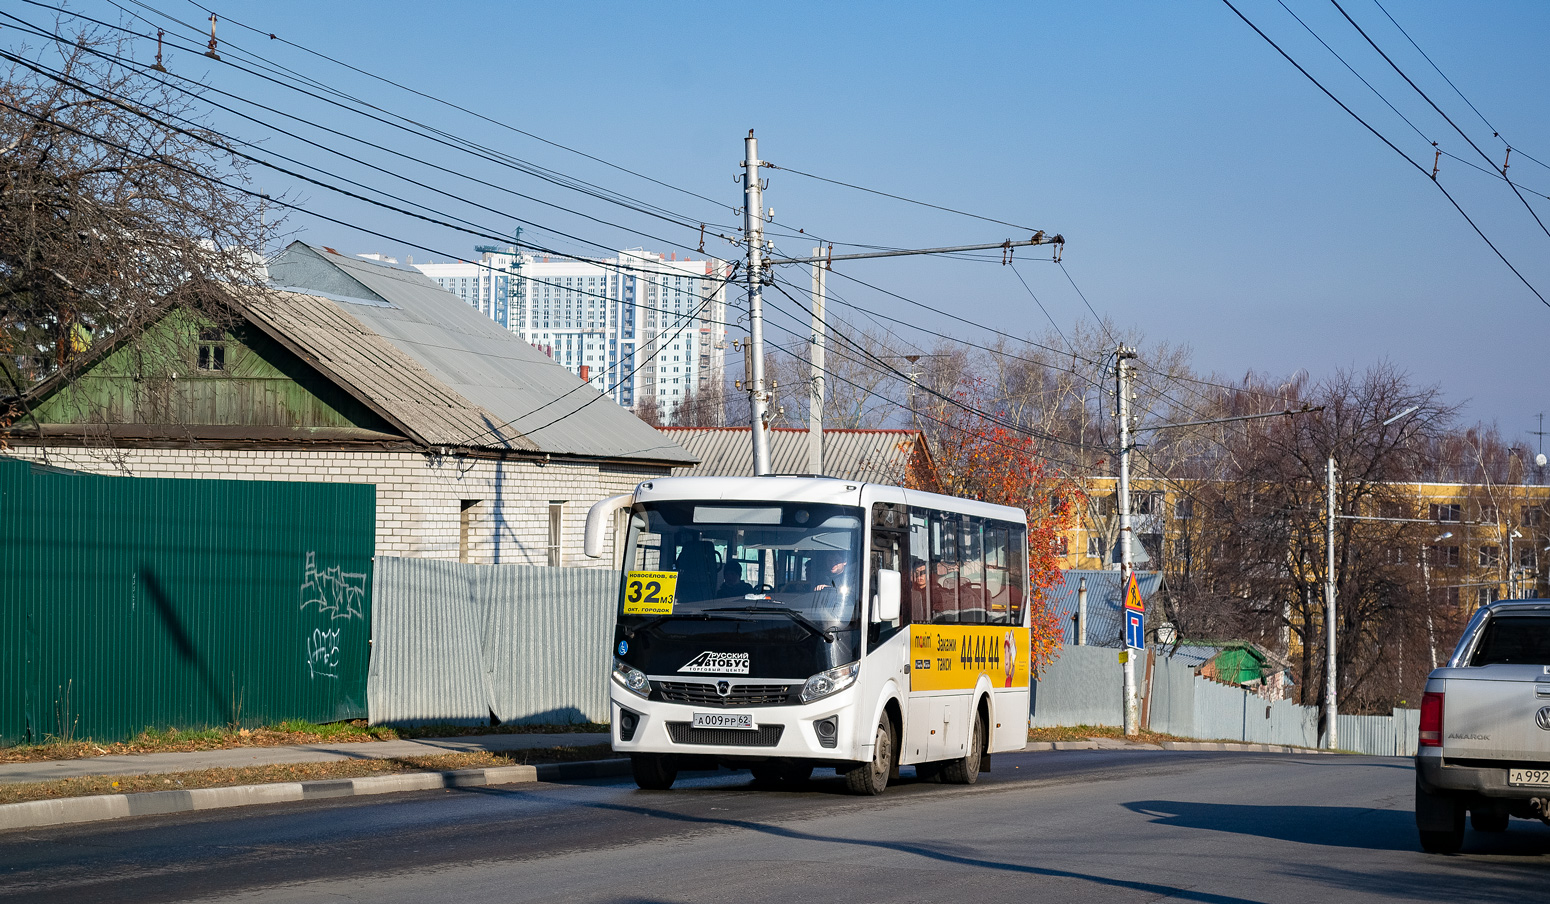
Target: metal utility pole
{"points": [[1123, 356], [816, 356], [1331, 707], [753, 236]]}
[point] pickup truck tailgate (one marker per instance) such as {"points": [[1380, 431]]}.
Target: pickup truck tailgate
{"points": [[1494, 712]]}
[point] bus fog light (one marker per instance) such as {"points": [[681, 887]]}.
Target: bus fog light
{"points": [[628, 722], [632, 678], [825, 683], [828, 731]]}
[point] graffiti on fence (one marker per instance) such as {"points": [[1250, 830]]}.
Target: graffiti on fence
{"points": [[339, 596]]}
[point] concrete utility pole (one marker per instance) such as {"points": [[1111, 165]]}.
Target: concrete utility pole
{"points": [[753, 235], [816, 356], [1081, 613], [1123, 356], [1331, 707]]}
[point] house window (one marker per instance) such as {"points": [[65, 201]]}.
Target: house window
{"points": [[1184, 508], [1145, 503], [1531, 515], [1487, 513], [1446, 512], [212, 350], [1452, 596], [1060, 546], [1528, 558], [1094, 548], [556, 524], [1485, 596], [1490, 556], [1443, 555]]}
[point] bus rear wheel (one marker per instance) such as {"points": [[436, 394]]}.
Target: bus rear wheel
{"points": [[871, 778], [654, 771], [967, 770]]}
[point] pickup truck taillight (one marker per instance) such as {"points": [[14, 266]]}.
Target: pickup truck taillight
{"points": [[1431, 720]]}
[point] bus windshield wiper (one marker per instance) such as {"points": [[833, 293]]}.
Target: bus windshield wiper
{"points": [[655, 620], [826, 633]]}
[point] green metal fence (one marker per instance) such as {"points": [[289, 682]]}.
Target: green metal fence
{"points": [[128, 603]]}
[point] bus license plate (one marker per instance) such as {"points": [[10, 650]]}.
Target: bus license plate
{"points": [[738, 721], [1540, 777]]}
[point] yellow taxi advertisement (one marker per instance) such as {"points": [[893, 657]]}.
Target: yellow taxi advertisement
{"points": [[953, 657], [650, 592]]}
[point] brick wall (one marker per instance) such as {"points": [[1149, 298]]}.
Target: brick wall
{"points": [[420, 499]]}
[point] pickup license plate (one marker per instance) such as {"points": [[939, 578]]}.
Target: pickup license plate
{"points": [[1539, 777], [738, 721]]}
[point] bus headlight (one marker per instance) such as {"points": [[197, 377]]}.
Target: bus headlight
{"points": [[833, 681], [632, 678]]}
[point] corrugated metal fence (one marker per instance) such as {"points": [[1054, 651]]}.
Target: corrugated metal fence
{"points": [[456, 643], [1083, 687], [129, 602]]}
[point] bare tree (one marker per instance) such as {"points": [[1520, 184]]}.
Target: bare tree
{"points": [[114, 205]]}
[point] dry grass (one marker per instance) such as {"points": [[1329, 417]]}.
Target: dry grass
{"points": [[1084, 732], [172, 740], [84, 786]]}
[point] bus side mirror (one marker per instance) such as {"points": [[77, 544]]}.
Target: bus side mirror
{"points": [[599, 517], [888, 586]]}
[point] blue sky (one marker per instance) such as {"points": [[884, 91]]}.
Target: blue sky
{"points": [[1210, 195]]}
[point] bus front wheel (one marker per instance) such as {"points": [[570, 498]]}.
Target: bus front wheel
{"points": [[871, 778], [654, 771]]}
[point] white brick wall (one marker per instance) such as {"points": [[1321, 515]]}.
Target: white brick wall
{"points": [[419, 499]]}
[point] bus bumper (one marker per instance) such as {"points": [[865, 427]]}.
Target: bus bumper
{"points": [[794, 732]]}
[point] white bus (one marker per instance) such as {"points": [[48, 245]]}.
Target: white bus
{"points": [[781, 624]]}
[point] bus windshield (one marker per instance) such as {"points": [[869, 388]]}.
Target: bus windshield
{"points": [[734, 560]]}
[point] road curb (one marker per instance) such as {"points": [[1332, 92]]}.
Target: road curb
{"points": [[68, 810], [1215, 746]]}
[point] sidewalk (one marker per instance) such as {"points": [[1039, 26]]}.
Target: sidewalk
{"points": [[238, 757]]}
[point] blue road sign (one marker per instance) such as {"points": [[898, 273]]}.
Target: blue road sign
{"points": [[1135, 630]]}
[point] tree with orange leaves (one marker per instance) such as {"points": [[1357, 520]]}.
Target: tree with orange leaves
{"points": [[976, 455]]}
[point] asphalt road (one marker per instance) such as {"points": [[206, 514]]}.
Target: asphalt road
{"points": [[1113, 826]]}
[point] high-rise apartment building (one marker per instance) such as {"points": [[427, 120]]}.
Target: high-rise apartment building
{"points": [[641, 327]]}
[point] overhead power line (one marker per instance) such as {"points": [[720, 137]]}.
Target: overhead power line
{"points": [[1379, 135]]}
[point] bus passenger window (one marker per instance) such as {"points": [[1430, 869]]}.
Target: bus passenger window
{"points": [[917, 598], [971, 571], [1017, 572], [998, 593], [943, 578]]}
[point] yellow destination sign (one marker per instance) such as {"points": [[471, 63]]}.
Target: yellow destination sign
{"points": [[953, 657], [650, 592]]}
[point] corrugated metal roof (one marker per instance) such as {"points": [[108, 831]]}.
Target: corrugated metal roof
{"points": [[1105, 603], [508, 394], [873, 456], [375, 370]]}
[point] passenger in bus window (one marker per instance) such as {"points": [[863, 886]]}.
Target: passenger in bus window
{"points": [[732, 580]]}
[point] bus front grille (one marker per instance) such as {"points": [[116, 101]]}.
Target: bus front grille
{"points": [[703, 693], [764, 736]]}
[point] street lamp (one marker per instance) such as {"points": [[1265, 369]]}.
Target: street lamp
{"points": [[1331, 704]]}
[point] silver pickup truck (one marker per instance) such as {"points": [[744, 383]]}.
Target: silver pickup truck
{"points": [[1485, 728]]}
